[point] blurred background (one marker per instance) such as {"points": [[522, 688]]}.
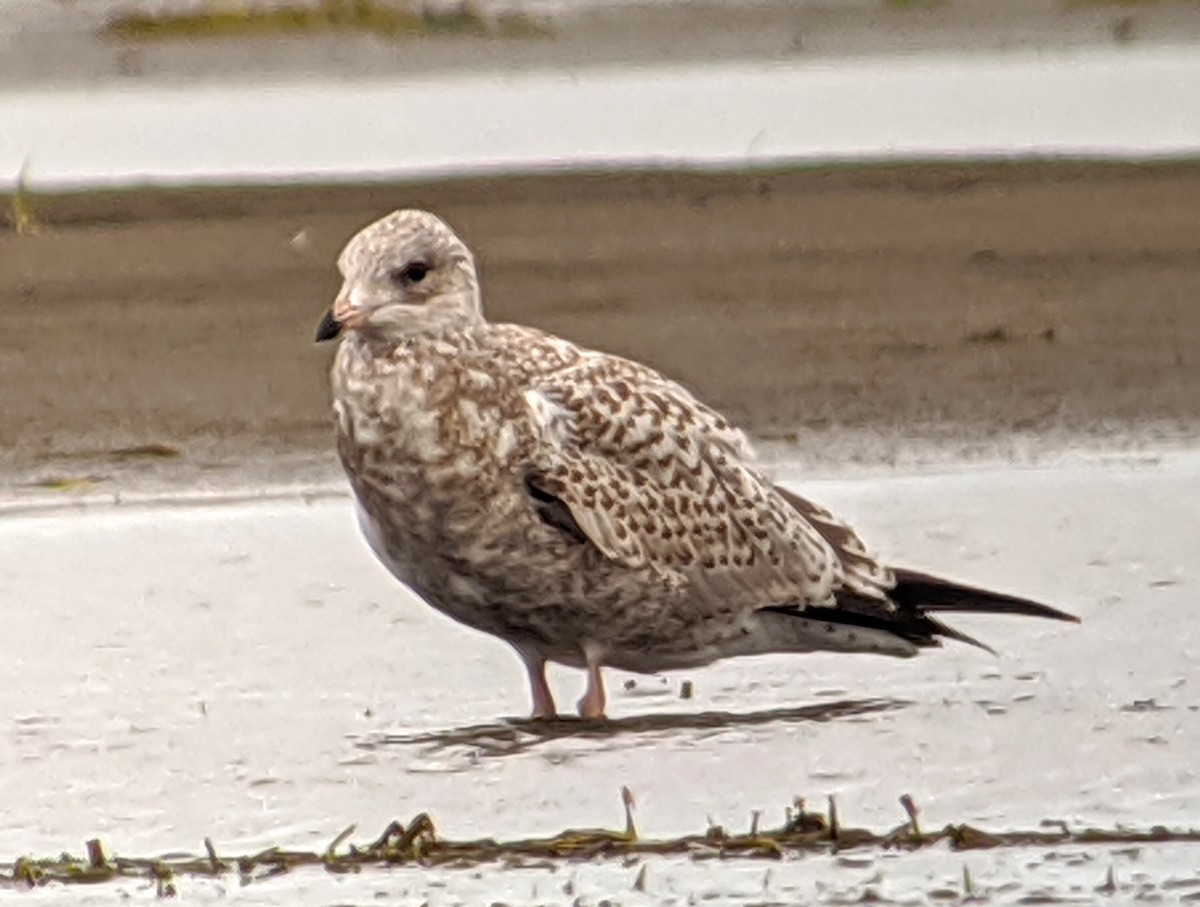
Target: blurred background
{"points": [[941, 258], [886, 228]]}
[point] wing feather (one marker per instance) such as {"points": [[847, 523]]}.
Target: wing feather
{"points": [[863, 573], [657, 480], [631, 462]]}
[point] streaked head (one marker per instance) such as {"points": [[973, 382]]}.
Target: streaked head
{"points": [[406, 273]]}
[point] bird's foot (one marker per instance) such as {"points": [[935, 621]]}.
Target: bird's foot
{"points": [[591, 706], [544, 708], [591, 711]]}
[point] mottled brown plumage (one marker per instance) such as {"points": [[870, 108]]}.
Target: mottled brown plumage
{"points": [[576, 504]]}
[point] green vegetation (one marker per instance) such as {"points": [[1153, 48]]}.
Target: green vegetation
{"points": [[914, 4], [20, 208], [373, 16], [418, 843]]}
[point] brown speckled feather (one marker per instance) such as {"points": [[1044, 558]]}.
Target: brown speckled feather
{"points": [[656, 479]]}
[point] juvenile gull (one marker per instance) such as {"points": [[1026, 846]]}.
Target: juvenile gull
{"points": [[581, 506]]}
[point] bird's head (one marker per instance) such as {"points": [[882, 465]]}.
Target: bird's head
{"points": [[405, 274]]}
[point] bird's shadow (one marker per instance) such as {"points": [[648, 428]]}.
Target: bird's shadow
{"points": [[513, 736]]}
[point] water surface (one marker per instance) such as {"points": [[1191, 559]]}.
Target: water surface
{"points": [[1105, 101]]}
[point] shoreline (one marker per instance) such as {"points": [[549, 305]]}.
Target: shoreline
{"points": [[26, 496]]}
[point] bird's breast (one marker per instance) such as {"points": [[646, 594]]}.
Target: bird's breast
{"points": [[429, 450], [421, 410]]}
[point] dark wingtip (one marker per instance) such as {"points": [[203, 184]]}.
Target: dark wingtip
{"points": [[925, 592], [943, 629], [329, 328]]}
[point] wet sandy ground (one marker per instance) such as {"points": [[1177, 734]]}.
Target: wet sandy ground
{"points": [[959, 310], [247, 672]]}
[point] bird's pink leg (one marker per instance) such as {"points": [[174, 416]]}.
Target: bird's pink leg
{"points": [[593, 701], [543, 699]]}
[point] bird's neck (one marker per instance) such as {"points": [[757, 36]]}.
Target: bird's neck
{"points": [[377, 343]]}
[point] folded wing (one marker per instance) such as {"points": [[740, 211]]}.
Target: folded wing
{"points": [[658, 481], [633, 464]]}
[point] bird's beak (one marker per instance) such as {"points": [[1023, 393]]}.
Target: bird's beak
{"points": [[344, 314], [329, 327]]}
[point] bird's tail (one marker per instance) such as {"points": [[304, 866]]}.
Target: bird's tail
{"points": [[921, 599], [922, 592]]}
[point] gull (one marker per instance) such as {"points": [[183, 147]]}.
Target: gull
{"points": [[580, 506]]}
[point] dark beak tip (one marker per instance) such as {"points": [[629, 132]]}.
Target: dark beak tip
{"points": [[329, 328]]}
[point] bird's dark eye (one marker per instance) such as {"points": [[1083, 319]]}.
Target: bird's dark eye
{"points": [[413, 272]]}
